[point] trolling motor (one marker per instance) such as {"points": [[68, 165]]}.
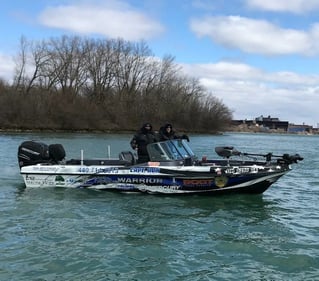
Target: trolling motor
{"points": [[290, 159], [228, 151]]}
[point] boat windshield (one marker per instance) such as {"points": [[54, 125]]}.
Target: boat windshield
{"points": [[169, 150]]}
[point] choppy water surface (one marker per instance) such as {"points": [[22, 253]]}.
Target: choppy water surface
{"points": [[63, 234]]}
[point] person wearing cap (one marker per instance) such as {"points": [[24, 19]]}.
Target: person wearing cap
{"points": [[166, 132], [140, 141]]}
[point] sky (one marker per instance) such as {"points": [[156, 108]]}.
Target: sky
{"points": [[259, 57]]}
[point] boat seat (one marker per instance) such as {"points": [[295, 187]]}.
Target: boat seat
{"points": [[127, 156]]}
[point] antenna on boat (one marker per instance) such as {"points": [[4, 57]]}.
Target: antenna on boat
{"points": [[81, 157], [109, 151]]}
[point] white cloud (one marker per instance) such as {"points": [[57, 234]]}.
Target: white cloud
{"points": [[6, 67], [292, 6], [257, 36], [251, 92], [116, 20]]}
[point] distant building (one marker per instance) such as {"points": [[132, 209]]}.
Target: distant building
{"points": [[300, 129], [272, 123], [263, 124]]}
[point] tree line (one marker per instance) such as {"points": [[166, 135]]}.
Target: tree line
{"points": [[76, 83]]}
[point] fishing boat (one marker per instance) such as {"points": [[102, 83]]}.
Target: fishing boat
{"points": [[173, 169]]}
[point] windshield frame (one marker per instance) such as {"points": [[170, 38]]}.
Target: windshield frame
{"points": [[170, 150]]}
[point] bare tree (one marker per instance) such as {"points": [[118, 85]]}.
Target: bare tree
{"points": [[131, 66], [20, 65], [100, 64], [67, 63], [114, 83]]}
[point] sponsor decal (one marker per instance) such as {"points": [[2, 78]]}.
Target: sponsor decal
{"points": [[98, 180], [98, 170], [144, 170], [126, 187], [198, 182], [112, 170], [59, 178], [241, 170], [59, 181], [172, 187], [31, 180], [69, 181], [221, 181], [44, 168], [161, 189], [84, 170], [155, 164]]}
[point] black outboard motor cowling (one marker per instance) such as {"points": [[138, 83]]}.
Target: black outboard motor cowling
{"points": [[56, 152], [31, 152]]}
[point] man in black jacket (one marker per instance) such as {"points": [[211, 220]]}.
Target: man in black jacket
{"points": [[141, 139], [166, 132]]}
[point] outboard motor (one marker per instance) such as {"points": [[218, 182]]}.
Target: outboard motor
{"points": [[56, 152], [31, 152]]}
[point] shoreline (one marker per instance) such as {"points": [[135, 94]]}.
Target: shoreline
{"points": [[133, 131]]}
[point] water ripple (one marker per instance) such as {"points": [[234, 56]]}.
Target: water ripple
{"points": [[58, 234]]}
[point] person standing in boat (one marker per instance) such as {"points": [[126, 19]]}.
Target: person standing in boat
{"points": [[141, 139], [166, 132]]}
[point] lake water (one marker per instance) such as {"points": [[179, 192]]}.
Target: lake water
{"points": [[62, 234]]}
